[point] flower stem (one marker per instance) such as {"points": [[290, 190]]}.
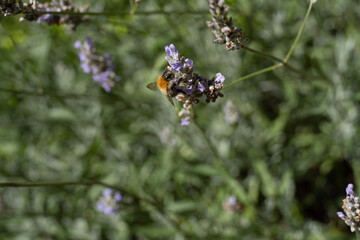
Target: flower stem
{"points": [[60, 183], [291, 68], [132, 12], [281, 62], [268, 69], [299, 33], [357, 234]]}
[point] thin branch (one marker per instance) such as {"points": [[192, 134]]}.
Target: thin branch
{"points": [[144, 13], [273, 58], [299, 33], [268, 69]]}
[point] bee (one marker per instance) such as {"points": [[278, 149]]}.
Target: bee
{"points": [[165, 84]]}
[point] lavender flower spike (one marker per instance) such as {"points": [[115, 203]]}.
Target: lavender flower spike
{"points": [[351, 208], [223, 28], [109, 202], [101, 67]]}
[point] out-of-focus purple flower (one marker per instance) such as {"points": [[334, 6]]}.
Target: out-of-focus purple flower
{"points": [[351, 208], [231, 204], [60, 6], [341, 215], [185, 121], [350, 189], [102, 68], [109, 202], [77, 44]]}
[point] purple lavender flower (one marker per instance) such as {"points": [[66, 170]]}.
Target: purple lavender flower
{"points": [[231, 204], [350, 189], [201, 87], [173, 57], [102, 68], [189, 62], [351, 208], [60, 6], [219, 78], [185, 121], [109, 202]]}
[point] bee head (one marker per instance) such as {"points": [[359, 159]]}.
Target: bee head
{"points": [[168, 75]]}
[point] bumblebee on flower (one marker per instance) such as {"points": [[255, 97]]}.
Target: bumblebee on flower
{"points": [[180, 82]]}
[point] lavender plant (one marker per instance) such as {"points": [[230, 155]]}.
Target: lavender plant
{"points": [[101, 67], [223, 27], [351, 208]]}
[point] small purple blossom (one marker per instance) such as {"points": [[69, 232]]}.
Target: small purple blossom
{"points": [[173, 57], [201, 87], [101, 67], [185, 121], [189, 62], [341, 215], [109, 202], [219, 78], [172, 52], [350, 189], [231, 204]]}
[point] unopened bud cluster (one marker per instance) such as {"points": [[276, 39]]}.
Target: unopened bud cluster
{"points": [[351, 209], [109, 202], [101, 67], [14, 7], [189, 86], [223, 28], [61, 6]]}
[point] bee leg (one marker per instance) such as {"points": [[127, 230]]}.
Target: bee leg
{"points": [[171, 101]]}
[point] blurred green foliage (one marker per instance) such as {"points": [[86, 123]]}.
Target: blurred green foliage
{"points": [[289, 157]]}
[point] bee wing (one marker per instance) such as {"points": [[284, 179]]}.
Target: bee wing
{"points": [[170, 100], [152, 86]]}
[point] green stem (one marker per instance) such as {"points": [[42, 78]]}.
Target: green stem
{"points": [[299, 33], [60, 183], [268, 69], [145, 13], [210, 145], [281, 62], [273, 58], [357, 234]]}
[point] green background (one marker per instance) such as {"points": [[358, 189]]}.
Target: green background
{"points": [[289, 154]]}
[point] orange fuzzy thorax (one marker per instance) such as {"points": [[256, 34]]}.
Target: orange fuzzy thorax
{"points": [[162, 85]]}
